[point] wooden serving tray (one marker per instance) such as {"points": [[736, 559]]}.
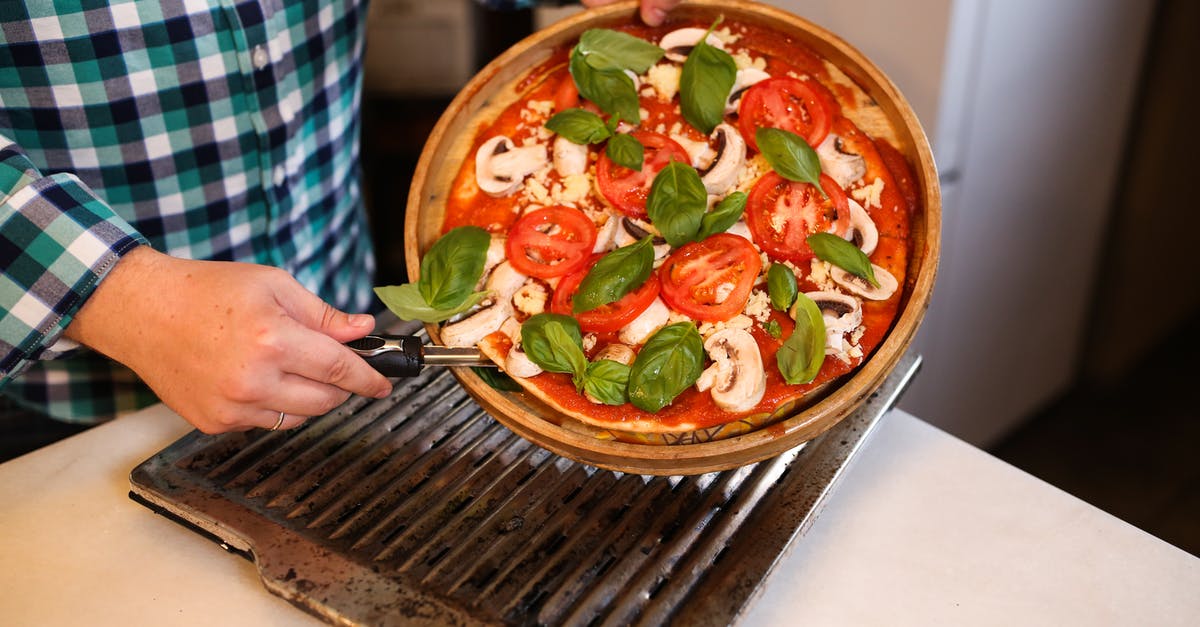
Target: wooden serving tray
{"points": [[889, 116]]}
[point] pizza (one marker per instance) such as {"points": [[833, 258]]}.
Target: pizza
{"points": [[675, 234]]}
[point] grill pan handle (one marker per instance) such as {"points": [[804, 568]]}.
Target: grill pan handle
{"points": [[391, 355]]}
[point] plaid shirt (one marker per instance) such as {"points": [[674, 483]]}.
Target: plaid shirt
{"points": [[222, 129]]}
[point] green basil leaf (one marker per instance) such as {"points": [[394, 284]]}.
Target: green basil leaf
{"points": [[801, 356], [626, 150], [580, 126], [669, 363], [407, 303], [607, 49], [677, 202], [781, 286], [704, 85], [497, 380], [773, 329], [612, 90], [554, 342], [790, 156], [615, 275], [452, 267], [606, 381], [843, 254], [724, 215]]}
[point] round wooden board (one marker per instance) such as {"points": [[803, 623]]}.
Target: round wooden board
{"points": [[494, 88]]}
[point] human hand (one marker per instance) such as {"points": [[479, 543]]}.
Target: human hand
{"points": [[227, 345], [653, 11]]}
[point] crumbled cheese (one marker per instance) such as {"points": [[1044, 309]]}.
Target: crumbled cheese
{"points": [[535, 109], [676, 316], [870, 194], [739, 322], [643, 113], [664, 78], [819, 274], [751, 171], [744, 61], [535, 190], [855, 352], [589, 342], [573, 189], [857, 335], [726, 35], [531, 298], [676, 128], [758, 306]]}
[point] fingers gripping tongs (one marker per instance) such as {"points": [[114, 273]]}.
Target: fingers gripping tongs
{"points": [[404, 355]]}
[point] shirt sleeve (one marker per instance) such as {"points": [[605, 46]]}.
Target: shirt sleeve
{"points": [[57, 242]]}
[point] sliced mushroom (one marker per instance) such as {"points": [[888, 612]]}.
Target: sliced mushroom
{"points": [[679, 43], [620, 353], [642, 327], [863, 287], [700, 153], [745, 79], [502, 283], [736, 376], [569, 157], [517, 363], [632, 230], [731, 155], [844, 167], [531, 298], [842, 313], [606, 235], [500, 166], [862, 232], [741, 228]]}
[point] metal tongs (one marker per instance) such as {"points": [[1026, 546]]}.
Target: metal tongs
{"points": [[404, 355]]}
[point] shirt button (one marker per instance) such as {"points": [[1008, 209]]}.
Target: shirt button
{"points": [[260, 57], [279, 176], [285, 112]]}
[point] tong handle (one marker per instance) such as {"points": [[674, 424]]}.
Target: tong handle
{"points": [[391, 355]]}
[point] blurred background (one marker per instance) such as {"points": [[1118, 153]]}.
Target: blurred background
{"points": [[1065, 327], [1064, 331]]}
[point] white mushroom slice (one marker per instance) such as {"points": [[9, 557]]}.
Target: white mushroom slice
{"points": [[569, 157], [862, 232], [495, 254], [731, 155], [620, 353], [502, 283], [500, 166], [606, 235], [679, 43], [633, 230], [842, 313], [642, 327], [841, 166], [863, 287], [741, 228], [517, 363], [531, 298], [736, 376], [745, 79], [699, 152]]}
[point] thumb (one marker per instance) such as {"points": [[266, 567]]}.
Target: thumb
{"points": [[318, 315]]}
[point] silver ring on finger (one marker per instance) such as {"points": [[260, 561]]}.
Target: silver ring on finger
{"points": [[279, 423]]}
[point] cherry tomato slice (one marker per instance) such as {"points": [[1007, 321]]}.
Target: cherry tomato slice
{"points": [[550, 242], [627, 189], [782, 214], [566, 95], [710, 280], [605, 318], [787, 103]]}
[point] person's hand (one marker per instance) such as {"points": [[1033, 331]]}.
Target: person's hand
{"points": [[653, 11], [227, 345]]}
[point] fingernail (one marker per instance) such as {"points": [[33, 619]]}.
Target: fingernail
{"points": [[655, 16], [362, 321]]}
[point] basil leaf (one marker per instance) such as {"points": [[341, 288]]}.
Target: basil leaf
{"points": [[606, 381], [626, 150], [612, 90], [677, 202], [843, 254], [704, 85], [801, 356], [452, 267], [773, 329], [407, 303], [724, 215], [607, 49], [615, 275], [497, 380], [790, 156], [554, 342], [669, 363], [781, 286], [579, 126]]}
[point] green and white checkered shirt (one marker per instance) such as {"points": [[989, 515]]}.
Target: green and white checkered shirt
{"points": [[210, 129]]}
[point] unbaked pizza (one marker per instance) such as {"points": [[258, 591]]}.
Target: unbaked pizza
{"points": [[675, 234]]}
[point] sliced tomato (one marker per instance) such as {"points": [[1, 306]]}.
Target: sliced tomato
{"points": [[627, 189], [710, 280], [550, 242], [566, 95], [782, 214], [605, 318], [787, 103]]}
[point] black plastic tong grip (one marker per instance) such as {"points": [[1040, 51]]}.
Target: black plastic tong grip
{"points": [[391, 355]]}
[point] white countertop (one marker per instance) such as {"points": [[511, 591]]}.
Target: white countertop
{"points": [[923, 529]]}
